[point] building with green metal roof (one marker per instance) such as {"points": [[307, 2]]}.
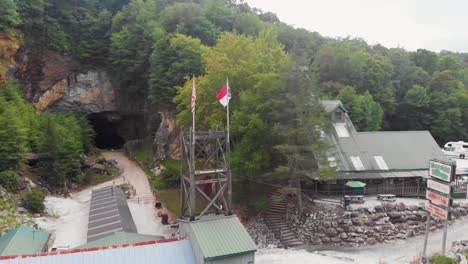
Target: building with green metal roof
{"points": [[219, 239], [23, 240], [120, 238]]}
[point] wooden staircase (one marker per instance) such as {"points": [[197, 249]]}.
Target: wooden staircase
{"points": [[275, 218]]}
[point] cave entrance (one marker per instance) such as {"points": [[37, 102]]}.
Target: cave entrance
{"points": [[106, 126]]}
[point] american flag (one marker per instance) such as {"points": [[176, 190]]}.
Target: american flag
{"points": [[194, 95]]}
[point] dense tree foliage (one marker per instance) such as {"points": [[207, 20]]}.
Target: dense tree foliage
{"points": [[9, 17], [60, 139], [152, 48]]}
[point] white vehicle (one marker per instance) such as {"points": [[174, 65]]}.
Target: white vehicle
{"points": [[456, 149]]}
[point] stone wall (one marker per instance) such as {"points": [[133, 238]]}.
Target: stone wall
{"points": [[331, 225]]}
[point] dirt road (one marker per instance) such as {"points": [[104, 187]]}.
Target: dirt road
{"points": [[142, 204], [68, 217]]}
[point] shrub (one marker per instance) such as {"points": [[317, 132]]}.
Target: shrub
{"points": [[171, 172], [34, 200], [261, 205], [9, 180], [438, 259]]}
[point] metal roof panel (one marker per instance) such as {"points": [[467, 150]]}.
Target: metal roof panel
{"points": [[221, 236]]}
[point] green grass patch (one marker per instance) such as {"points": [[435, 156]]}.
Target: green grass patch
{"points": [[144, 153], [100, 178], [439, 259], [172, 200]]}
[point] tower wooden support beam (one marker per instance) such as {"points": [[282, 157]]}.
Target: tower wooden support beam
{"points": [[205, 173]]}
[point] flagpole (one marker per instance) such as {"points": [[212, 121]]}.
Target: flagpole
{"points": [[228, 150], [227, 112], [193, 112]]}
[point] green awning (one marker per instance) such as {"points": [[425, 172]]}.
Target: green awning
{"points": [[355, 184]]}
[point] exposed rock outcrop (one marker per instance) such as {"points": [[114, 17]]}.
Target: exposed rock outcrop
{"points": [[91, 92], [8, 47], [54, 81], [167, 138]]}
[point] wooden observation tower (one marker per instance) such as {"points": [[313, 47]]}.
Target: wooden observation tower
{"points": [[206, 173]]}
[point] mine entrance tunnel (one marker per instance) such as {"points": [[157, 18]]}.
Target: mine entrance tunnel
{"points": [[106, 126]]}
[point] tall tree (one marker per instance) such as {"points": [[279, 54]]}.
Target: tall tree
{"points": [[9, 17], [173, 58]]}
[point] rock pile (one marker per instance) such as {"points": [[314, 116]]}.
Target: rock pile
{"points": [[381, 224], [459, 250], [262, 235]]}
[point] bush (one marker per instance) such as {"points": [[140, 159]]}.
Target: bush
{"points": [[438, 259], [171, 172], [261, 205], [34, 200], [9, 180]]}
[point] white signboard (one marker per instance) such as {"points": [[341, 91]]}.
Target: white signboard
{"points": [[437, 186]]}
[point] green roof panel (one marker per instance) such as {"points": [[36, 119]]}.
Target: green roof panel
{"points": [[23, 240], [221, 236], [120, 238]]}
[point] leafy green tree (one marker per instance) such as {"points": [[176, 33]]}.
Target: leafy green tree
{"points": [[449, 63], [189, 19], [92, 37], [61, 148], [300, 43], [248, 24], [449, 125], [372, 111], [220, 13], [414, 111], [9, 179], [425, 59], [366, 114], [254, 67], [133, 30], [352, 101], [298, 129], [174, 57], [13, 136], [9, 17]]}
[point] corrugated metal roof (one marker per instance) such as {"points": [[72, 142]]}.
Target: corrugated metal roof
{"points": [[154, 252], [23, 240], [120, 238], [222, 236], [401, 150], [108, 213]]}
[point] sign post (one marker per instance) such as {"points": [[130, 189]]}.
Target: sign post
{"points": [[438, 193]]}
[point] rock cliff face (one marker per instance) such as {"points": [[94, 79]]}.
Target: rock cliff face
{"points": [[8, 48], [90, 92], [53, 81], [167, 138]]}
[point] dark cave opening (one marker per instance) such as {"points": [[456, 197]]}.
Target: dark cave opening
{"points": [[106, 126]]}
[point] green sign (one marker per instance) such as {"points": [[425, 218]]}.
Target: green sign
{"points": [[440, 170]]}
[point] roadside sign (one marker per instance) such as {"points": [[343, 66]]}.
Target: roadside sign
{"points": [[438, 186], [440, 171], [434, 209], [437, 198]]}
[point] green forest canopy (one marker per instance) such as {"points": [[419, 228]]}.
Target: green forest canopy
{"points": [[152, 47]]}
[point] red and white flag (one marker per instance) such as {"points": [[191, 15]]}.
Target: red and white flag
{"points": [[224, 95], [194, 95]]}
